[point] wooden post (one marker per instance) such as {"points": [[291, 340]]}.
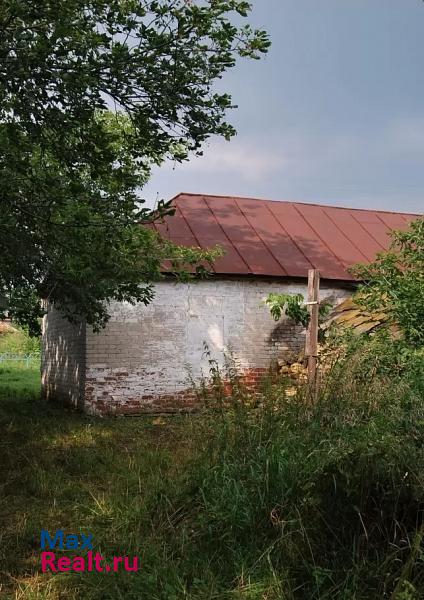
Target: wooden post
{"points": [[311, 347]]}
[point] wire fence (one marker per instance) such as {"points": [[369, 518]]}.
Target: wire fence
{"points": [[24, 360]]}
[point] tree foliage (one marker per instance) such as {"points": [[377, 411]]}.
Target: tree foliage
{"points": [[394, 282], [92, 95], [294, 307], [291, 305]]}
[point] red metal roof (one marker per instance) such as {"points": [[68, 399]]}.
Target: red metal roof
{"points": [[283, 239]]}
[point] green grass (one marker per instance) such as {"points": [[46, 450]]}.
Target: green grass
{"points": [[285, 500], [18, 378], [59, 469]]}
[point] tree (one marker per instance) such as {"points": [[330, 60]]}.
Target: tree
{"points": [[394, 283], [93, 93]]}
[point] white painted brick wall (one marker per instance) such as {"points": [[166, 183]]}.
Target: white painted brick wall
{"points": [[146, 352], [62, 359]]}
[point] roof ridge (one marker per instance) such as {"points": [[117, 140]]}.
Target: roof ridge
{"points": [[377, 210]]}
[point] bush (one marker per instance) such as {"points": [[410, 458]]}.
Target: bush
{"points": [[395, 283]]}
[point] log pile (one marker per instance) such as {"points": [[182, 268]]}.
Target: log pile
{"points": [[348, 314], [293, 365]]}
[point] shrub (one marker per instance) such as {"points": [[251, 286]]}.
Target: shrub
{"points": [[395, 282]]}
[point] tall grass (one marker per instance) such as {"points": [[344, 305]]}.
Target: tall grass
{"points": [[60, 469], [263, 496], [296, 499], [19, 342], [18, 378]]}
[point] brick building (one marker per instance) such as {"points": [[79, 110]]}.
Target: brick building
{"points": [[142, 360]]}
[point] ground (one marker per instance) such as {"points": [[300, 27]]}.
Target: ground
{"points": [[59, 469], [260, 496]]}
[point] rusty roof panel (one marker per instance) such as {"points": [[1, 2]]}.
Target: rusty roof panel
{"points": [[259, 259], [409, 218], [280, 238], [231, 219], [231, 262], [308, 241], [244, 238], [372, 223], [393, 221], [333, 237], [172, 226], [201, 220], [185, 240], [347, 223], [275, 237]]}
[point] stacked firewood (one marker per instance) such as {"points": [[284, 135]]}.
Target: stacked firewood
{"points": [[348, 314], [293, 365]]}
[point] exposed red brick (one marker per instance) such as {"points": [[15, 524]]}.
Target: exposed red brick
{"points": [[178, 402]]}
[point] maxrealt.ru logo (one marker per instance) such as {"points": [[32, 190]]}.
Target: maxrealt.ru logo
{"points": [[90, 562]]}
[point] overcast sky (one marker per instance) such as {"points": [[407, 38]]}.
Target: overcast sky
{"points": [[334, 114]]}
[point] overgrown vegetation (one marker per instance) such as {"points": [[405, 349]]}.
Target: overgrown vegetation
{"points": [[259, 497], [318, 501], [395, 282], [59, 469], [19, 341]]}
